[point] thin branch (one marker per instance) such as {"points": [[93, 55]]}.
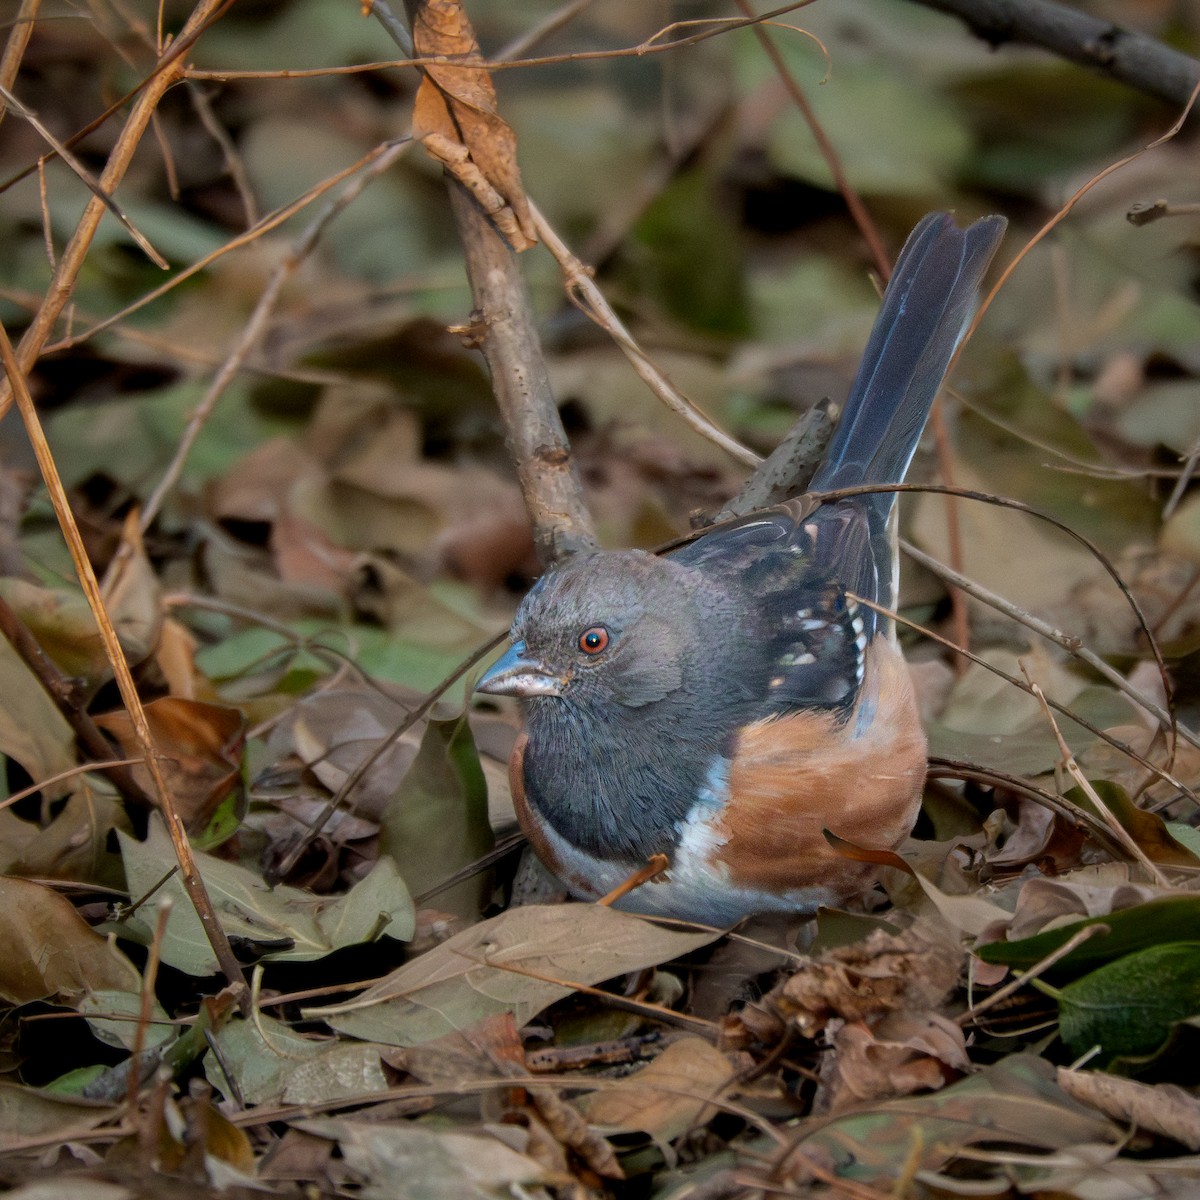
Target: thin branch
{"points": [[168, 72], [1072, 644], [858, 210], [589, 299], [1066, 208], [503, 328], [1017, 682], [1122, 54], [84, 176], [192, 882], [713, 27], [1039, 968], [1081, 780], [69, 701], [14, 48], [941, 767]]}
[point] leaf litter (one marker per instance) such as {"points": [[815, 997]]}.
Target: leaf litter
{"points": [[1014, 1013]]}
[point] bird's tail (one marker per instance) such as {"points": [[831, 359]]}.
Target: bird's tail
{"points": [[928, 304]]}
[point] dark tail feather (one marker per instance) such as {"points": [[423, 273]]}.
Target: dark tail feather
{"points": [[926, 308]]}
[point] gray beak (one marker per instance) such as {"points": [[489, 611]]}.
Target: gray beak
{"points": [[516, 674]]}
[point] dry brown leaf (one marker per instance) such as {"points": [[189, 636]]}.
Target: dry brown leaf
{"points": [[901, 1054], [886, 973], [455, 118], [668, 1096], [1088, 892], [1160, 1108], [49, 949], [176, 658], [201, 748]]}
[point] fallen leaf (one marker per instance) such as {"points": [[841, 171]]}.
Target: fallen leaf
{"points": [[200, 747], [50, 951], [304, 925], [898, 1055], [521, 961], [1128, 1007], [32, 730], [410, 1161], [1016, 1102], [1159, 1108], [272, 1065], [27, 1114], [1165, 919], [668, 1096]]}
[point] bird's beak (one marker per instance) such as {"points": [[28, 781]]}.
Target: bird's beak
{"points": [[518, 674]]}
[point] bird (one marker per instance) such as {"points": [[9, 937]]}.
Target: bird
{"points": [[725, 704]]}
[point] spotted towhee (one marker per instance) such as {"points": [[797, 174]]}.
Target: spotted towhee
{"points": [[726, 703]]}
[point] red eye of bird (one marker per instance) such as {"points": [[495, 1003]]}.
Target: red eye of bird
{"points": [[594, 640]]}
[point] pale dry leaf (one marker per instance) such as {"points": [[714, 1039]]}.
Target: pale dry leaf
{"points": [[1160, 1108], [520, 961], [901, 1054], [668, 1096], [885, 973], [409, 1161]]}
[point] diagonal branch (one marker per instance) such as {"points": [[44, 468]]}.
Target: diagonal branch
{"points": [[1122, 54]]}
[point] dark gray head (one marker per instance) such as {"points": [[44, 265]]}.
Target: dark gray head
{"points": [[606, 628], [624, 660]]}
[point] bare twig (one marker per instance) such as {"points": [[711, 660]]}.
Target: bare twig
{"points": [[356, 776], [788, 469], [168, 72], [588, 298], [1123, 54], [1081, 780], [1069, 642], [1066, 208], [957, 768], [193, 884], [14, 48], [85, 177], [271, 221], [229, 152], [1017, 682], [858, 210], [661, 42], [66, 695], [1039, 968]]}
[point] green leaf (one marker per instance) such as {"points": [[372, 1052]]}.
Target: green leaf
{"points": [[860, 107], [1167, 919], [1147, 829], [273, 1065], [247, 907], [1129, 1006], [437, 821]]}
